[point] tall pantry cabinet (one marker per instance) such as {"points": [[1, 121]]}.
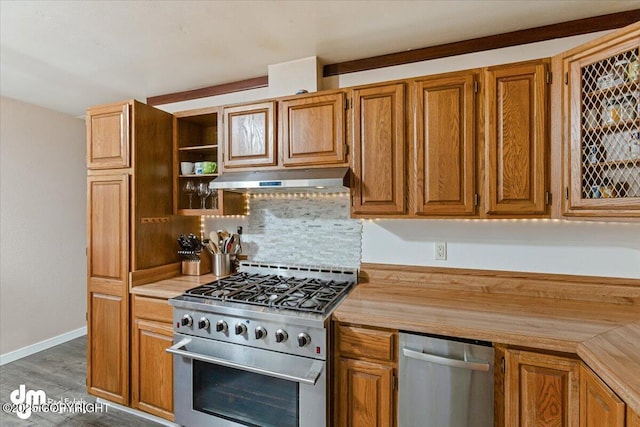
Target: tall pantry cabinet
{"points": [[130, 227]]}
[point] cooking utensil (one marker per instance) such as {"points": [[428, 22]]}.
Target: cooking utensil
{"points": [[228, 245], [236, 246], [212, 247]]}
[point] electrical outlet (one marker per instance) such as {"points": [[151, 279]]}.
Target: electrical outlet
{"points": [[440, 251]]}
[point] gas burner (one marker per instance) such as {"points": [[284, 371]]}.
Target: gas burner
{"points": [[291, 293]]}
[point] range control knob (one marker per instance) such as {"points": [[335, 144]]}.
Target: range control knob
{"points": [[203, 323], [186, 320], [241, 329], [281, 335], [260, 332], [303, 339], [221, 326]]}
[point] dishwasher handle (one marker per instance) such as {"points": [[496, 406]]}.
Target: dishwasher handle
{"points": [[456, 363]]}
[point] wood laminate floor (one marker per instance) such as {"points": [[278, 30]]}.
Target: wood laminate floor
{"points": [[60, 372]]}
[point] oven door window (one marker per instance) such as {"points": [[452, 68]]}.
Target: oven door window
{"points": [[244, 397]]}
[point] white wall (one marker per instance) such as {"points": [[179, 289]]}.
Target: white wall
{"points": [[549, 246], [42, 224], [599, 249]]}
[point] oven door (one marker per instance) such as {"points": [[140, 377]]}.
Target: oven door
{"points": [[223, 384]]}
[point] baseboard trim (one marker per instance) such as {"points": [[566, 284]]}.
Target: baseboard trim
{"points": [[42, 345], [136, 413]]}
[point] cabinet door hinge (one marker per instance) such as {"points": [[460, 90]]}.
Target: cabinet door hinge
{"points": [[353, 200], [503, 365], [394, 382], [566, 78], [346, 149], [86, 316], [476, 199], [547, 198], [566, 193], [548, 77], [476, 86], [347, 103]]}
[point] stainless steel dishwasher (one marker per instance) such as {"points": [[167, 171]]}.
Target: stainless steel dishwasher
{"points": [[445, 382]]}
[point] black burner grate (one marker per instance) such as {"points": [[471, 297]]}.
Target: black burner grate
{"points": [[309, 295]]}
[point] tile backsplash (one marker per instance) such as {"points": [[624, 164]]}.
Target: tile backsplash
{"points": [[312, 229]]}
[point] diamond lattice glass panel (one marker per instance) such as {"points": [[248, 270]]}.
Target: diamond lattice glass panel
{"points": [[610, 140]]}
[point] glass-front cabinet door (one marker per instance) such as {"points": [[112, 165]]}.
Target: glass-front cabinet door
{"points": [[604, 129]]}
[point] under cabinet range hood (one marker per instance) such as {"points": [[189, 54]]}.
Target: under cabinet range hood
{"points": [[334, 180]]}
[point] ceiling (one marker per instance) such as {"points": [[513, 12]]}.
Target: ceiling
{"points": [[68, 55]]}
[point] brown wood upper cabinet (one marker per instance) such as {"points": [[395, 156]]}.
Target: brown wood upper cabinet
{"points": [[108, 137], [602, 164], [249, 135], [195, 139], [516, 147], [312, 130], [445, 144], [379, 172]]}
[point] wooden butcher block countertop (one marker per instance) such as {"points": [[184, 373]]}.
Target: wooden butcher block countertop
{"points": [[594, 317], [172, 287]]}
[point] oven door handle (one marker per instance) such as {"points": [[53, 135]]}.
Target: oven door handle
{"points": [[310, 378]]}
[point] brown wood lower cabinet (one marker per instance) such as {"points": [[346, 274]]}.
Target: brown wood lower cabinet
{"points": [[107, 345], [151, 365], [599, 406], [541, 389], [553, 390], [365, 394], [633, 419], [365, 391]]}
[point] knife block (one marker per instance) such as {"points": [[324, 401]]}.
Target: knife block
{"points": [[197, 267]]}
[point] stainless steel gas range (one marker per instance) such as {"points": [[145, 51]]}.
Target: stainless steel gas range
{"points": [[251, 349]]}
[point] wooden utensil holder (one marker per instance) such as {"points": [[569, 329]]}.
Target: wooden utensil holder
{"points": [[197, 267]]}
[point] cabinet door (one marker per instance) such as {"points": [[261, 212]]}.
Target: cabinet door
{"points": [[107, 275], [516, 146], [541, 390], [444, 127], [108, 137], [365, 394], [633, 419], [312, 130], [599, 406], [604, 131], [108, 345], [379, 150], [249, 135], [108, 229], [152, 368]]}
